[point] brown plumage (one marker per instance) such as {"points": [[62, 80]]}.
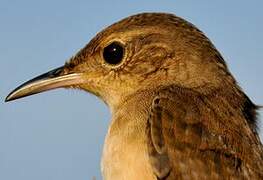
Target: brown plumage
{"points": [[177, 112]]}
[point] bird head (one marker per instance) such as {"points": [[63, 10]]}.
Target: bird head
{"points": [[141, 52]]}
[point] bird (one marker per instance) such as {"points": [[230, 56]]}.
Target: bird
{"points": [[177, 112]]}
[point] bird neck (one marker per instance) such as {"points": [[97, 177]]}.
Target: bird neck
{"points": [[131, 106], [126, 139]]}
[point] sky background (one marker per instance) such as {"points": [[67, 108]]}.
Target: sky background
{"points": [[58, 135]]}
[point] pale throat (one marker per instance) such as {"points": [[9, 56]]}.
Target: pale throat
{"points": [[125, 142]]}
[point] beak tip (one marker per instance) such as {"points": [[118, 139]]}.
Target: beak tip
{"points": [[9, 98], [6, 100], [13, 95]]}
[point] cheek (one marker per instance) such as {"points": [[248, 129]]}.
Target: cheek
{"points": [[96, 83]]}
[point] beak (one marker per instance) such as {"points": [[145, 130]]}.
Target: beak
{"points": [[50, 80]]}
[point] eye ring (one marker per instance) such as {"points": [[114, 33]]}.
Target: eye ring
{"points": [[113, 53]]}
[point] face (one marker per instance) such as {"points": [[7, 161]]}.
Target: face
{"points": [[118, 63], [113, 64], [138, 53]]}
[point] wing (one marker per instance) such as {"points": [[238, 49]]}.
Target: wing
{"points": [[189, 139]]}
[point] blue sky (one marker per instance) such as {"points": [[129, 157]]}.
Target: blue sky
{"points": [[59, 134]]}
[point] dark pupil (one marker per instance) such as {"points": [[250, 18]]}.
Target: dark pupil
{"points": [[113, 53]]}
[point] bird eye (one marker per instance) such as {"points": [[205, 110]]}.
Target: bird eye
{"points": [[113, 53]]}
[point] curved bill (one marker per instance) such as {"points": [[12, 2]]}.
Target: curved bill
{"points": [[50, 80]]}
